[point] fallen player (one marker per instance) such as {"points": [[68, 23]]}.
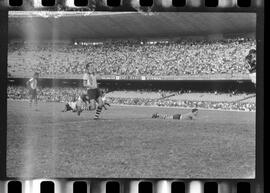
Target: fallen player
{"points": [[187, 116], [82, 103]]}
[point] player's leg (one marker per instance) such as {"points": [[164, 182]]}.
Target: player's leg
{"points": [[35, 100], [78, 109], [105, 104], [30, 98], [92, 99], [85, 102], [99, 108], [92, 105]]}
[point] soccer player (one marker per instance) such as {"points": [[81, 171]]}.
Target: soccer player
{"points": [[32, 86], [250, 61], [93, 92], [80, 104], [71, 106], [76, 105], [187, 116]]}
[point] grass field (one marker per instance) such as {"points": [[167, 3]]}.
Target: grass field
{"points": [[127, 143]]}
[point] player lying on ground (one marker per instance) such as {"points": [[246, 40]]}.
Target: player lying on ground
{"points": [[187, 116], [81, 104]]}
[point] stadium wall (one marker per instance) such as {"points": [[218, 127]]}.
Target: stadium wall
{"points": [[172, 85], [233, 77]]}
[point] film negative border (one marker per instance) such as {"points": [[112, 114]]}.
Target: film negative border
{"points": [[134, 5], [129, 186], [223, 185]]}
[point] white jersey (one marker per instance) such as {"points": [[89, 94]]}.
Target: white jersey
{"points": [[33, 83], [72, 105], [253, 77], [91, 81]]}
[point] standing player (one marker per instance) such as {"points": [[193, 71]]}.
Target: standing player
{"points": [[187, 116], [250, 62], [32, 86], [93, 92]]}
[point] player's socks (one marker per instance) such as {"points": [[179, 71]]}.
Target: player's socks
{"points": [[98, 111]]}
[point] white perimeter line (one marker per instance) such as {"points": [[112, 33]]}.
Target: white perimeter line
{"points": [[185, 108], [140, 106]]}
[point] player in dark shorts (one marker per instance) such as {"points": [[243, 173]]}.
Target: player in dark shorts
{"points": [[178, 116], [32, 86], [93, 92]]}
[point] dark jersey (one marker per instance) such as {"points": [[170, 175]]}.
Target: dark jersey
{"points": [[176, 116], [252, 63]]}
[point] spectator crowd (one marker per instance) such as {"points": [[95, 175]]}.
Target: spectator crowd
{"points": [[172, 58], [65, 94]]}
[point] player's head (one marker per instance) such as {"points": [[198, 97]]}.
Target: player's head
{"points": [[89, 69], [36, 75], [252, 52], [195, 111], [86, 68], [92, 70]]}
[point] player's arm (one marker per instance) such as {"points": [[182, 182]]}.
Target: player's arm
{"points": [[85, 83], [85, 78], [246, 63], [28, 83]]}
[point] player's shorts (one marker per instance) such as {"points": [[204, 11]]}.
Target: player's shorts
{"points": [[253, 77], [93, 93], [177, 116], [33, 93]]}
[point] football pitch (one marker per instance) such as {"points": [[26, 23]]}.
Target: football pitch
{"points": [[127, 143]]}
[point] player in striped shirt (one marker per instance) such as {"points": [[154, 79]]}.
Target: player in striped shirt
{"points": [[178, 116], [250, 62], [32, 86]]}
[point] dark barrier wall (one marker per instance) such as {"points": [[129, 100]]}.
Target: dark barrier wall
{"points": [[199, 86]]}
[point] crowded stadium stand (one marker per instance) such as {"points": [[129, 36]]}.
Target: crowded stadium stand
{"points": [[133, 47], [133, 58]]}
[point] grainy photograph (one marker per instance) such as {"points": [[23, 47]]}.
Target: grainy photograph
{"points": [[131, 95]]}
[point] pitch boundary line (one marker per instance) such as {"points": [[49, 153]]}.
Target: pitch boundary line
{"points": [[185, 108], [152, 106]]}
